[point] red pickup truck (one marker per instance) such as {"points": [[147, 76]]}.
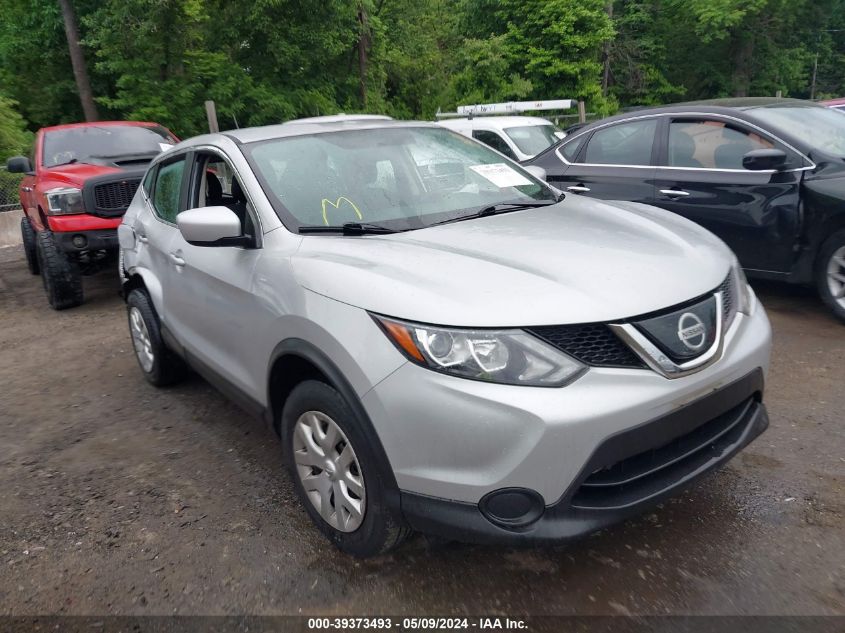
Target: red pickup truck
{"points": [[79, 181]]}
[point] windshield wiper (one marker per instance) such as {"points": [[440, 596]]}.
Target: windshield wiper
{"points": [[349, 228], [495, 209]]}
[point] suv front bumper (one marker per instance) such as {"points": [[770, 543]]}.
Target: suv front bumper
{"points": [[452, 443], [627, 473]]}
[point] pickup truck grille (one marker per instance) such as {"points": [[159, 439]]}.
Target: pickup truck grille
{"points": [[113, 198]]}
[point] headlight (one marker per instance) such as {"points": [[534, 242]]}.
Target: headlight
{"points": [[511, 357], [742, 291], [65, 201]]}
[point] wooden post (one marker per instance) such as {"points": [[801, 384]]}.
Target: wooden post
{"points": [[582, 112], [779, 94], [211, 113]]}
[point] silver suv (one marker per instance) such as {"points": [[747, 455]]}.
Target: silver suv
{"points": [[442, 343]]}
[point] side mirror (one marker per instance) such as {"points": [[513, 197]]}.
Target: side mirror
{"points": [[537, 172], [212, 226], [18, 165], [764, 159]]}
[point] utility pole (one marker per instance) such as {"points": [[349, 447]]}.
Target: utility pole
{"points": [[816, 59], [77, 60]]}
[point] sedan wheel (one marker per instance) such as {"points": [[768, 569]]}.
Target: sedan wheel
{"points": [[328, 469], [836, 276]]}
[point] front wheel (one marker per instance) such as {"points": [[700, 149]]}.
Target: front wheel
{"points": [[830, 274], [335, 472], [62, 278]]}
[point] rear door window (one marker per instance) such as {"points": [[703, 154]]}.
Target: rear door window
{"points": [[628, 143], [168, 189]]}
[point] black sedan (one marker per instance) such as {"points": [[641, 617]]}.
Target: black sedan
{"points": [[765, 175]]}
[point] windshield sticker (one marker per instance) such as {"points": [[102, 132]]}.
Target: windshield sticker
{"points": [[336, 204], [501, 175]]}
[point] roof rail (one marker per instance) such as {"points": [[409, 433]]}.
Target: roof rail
{"points": [[510, 107]]}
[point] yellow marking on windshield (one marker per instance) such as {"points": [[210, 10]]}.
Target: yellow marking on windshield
{"points": [[336, 205]]}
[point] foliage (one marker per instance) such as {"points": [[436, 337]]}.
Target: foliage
{"points": [[271, 60], [14, 138]]}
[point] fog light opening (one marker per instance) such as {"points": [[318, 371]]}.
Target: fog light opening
{"points": [[79, 241], [512, 508]]}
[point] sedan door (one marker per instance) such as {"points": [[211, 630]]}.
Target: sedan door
{"points": [[702, 178], [614, 162]]}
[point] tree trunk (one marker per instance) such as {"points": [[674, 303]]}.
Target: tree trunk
{"points": [[77, 60], [363, 43], [605, 79]]}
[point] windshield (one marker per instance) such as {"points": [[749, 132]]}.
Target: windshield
{"points": [[533, 139], [822, 128], [103, 141], [400, 178]]}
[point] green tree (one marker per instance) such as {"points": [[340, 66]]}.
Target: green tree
{"points": [[14, 138]]}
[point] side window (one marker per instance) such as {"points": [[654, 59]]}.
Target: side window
{"points": [[570, 149], [168, 187], [710, 144], [214, 184], [147, 183], [493, 140], [622, 144]]}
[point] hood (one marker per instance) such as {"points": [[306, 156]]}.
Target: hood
{"points": [[579, 261], [76, 174]]}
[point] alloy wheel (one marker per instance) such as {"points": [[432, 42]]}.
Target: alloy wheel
{"points": [[328, 469], [836, 276], [141, 339]]}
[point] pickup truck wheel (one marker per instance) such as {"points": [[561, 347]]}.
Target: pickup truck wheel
{"points": [[335, 472], [62, 279], [29, 248], [161, 366], [830, 273]]}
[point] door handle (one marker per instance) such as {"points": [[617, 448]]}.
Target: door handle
{"points": [[142, 238], [578, 189], [178, 261], [26, 189], [674, 193]]}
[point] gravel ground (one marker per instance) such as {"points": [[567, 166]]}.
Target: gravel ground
{"points": [[117, 498]]}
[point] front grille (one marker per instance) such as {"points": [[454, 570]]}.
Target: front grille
{"points": [[644, 475], [594, 344], [114, 197]]}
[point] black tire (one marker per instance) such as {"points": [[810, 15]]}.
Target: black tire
{"points": [[62, 278], [382, 528], [28, 236], [167, 367], [834, 246]]}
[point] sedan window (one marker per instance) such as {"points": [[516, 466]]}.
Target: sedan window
{"points": [[711, 144], [623, 144]]}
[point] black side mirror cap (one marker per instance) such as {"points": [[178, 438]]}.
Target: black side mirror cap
{"points": [[764, 159], [18, 165]]}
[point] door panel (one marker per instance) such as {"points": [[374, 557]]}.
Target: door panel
{"points": [[755, 213], [211, 302], [211, 306]]}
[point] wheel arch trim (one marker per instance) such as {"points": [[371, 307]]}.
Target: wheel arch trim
{"points": [[320, 360]]}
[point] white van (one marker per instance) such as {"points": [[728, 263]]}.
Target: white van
{"points": [[517, 137]]}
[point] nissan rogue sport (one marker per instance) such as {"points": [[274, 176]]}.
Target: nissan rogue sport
{"points": [[442, 342]]}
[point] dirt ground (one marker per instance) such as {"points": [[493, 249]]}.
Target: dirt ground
{"points": [[117, 498]]}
